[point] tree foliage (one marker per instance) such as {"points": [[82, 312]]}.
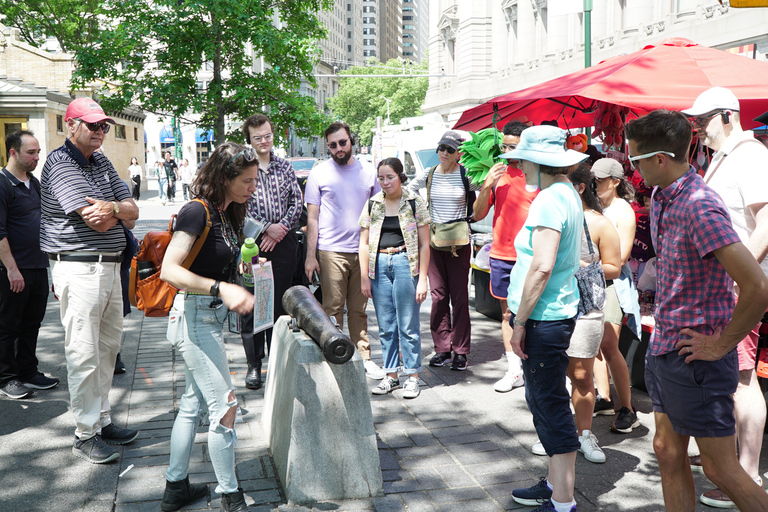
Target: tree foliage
{"points": [[150, 52], [360, 100]]}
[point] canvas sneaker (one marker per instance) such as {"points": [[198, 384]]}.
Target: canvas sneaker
{"points": [[626, 422], [717, 498], [372, 370], [590, 449], [459, 362], [16, 390], [40, 381], [538, 449], [509, 382], [411, 388], [112, 434], [695, 462], [603, 407], [94, 450], [534, 495], [386, 386], [440, 359]]}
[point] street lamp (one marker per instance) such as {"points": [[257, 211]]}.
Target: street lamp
{"points": [[388, 102]]}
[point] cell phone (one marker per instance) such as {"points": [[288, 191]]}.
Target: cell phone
{"points": [[315, 278]]}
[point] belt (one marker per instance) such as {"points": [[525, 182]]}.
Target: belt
{"points": [[392, 250], [86, 257]]}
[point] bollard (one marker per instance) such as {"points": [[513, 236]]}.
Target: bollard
{"points": [[299, 302]]}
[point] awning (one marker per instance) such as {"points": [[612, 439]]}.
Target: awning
{"points": [[166, 135], [201, 136]]}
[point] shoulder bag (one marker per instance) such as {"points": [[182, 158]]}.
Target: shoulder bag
{"points": [[591, 281]]}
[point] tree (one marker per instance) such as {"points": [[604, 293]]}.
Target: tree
{"points": [[360, 100], [151, 51]]}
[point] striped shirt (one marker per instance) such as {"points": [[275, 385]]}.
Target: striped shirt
{"points": [[447, 195], [277, 197], [67, 178], [688, 223]]}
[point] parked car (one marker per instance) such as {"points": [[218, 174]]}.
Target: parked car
{"points": [[301, 166]]}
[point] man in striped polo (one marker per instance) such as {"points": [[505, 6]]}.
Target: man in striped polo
{"points": [[83, 202]]}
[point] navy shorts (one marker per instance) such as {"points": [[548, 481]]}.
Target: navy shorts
{"points": [[500, 270], [545, 391], [696, 397]]}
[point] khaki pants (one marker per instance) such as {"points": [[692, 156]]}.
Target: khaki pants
{"points": [[340, 282]]}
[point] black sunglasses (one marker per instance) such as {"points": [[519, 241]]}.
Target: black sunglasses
{"points": [[443, 147], [342, 143], [248, 153], [94, 127]]}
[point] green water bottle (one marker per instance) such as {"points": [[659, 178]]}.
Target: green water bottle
{"points": [[250, 255]]}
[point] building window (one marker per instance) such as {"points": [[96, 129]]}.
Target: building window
{"points": [[349, 47], [120, 131], [369, 8], [408, 36], [407, 18], [59, 124], [408, 54], [407, 45], [349, 33], [135, 134], [408, 9], [349, 7], [349, 21], [409, 27]]}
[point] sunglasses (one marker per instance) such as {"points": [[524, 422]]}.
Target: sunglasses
{"points": [[443, 147], [266, 138], [342, 143], [507, 147], [633, 159], [702, 121], [248, 153], [94, 127]]}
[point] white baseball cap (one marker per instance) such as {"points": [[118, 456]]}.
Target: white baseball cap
{"points": [[714, 98]]}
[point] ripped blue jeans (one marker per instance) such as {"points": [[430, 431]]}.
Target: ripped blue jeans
{"points": [[208, 387]]}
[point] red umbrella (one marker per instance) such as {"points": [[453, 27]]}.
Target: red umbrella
{"points": [[669, 74]]}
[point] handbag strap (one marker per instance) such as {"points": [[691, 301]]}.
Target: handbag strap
{"points": [[201, 239], [589, 240]]}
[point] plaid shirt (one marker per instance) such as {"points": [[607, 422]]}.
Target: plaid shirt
{"points": [[278, 196], [688, 222]]}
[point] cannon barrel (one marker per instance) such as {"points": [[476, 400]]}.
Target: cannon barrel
{"points": [[299, 302]]}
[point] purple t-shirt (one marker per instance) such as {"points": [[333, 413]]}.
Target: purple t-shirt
{"points": [[341, 192]]}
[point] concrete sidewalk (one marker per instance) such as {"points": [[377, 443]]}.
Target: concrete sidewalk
{"points": [[459, 446]]}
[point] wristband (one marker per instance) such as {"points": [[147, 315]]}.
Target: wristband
{"points": [[521, 323]]}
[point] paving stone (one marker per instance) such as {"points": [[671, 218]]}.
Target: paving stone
{"points": [[429, 478], [487, 505], [399, 486], [483, 446], [462, 430], [469, 458], [441, 496], [391, 475], [430, 461], [443, 423], [464, 439], [420, 451], [423, 438], [388, 504], [418, 502], [259, 484], [455, 476], [387, 460]]}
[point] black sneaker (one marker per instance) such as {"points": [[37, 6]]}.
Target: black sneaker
{"points": [[94, 450], [16, 390], [626, 421], [113, 434], [40, 381], [459, 362], [603, 407], [532, 496], [440, 359]]}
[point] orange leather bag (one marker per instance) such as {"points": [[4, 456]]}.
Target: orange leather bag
{"points": [[152, 295]]}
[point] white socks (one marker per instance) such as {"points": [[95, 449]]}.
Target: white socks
{"points": [[562, 507], [515, 365]]}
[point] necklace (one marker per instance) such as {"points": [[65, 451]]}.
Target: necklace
{"points": [[229, 232]]}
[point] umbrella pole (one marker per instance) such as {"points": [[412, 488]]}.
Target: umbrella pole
{"points": [[588, 49]]}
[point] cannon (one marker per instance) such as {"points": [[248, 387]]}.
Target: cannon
{"points": [[308, 314]]}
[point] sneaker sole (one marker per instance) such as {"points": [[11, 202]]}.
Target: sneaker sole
{"points": [[697, 469], [593, 461], [83, 456], [458, 368], [436, 365], [35, 386], [605, 412], [411, 395], [716, 503], [18, 397], [121, 441], [529, 502], [380, 392], [626, 430]]}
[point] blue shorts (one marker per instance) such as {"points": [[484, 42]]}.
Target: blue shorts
{"points": [[696, 397], [500, 270], [545, 391]]}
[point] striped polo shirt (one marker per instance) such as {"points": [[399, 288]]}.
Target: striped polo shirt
{"points": [[67, 178]]}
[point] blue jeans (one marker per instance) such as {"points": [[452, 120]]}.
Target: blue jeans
{"points": [[208, 384], [162, 183], [397, 312]]}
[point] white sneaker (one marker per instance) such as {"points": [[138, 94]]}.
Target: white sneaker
{"points": [[411, 388], [538, 449], [386, 386], [590, 449], [372, 370], [509, 382]]}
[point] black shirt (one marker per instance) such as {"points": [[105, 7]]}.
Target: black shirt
{"points": [[170, 165], [20, 220], [391, 233], [216, 258]]}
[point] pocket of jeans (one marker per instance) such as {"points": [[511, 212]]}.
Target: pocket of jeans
{"points": [[175, 331]]}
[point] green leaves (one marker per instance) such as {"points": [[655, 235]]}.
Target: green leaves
{"points": [[480, 153]]}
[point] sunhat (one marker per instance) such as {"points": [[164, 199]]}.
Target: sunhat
{"points": [[545, 145]]}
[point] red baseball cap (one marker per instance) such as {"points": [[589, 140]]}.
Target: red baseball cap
{"points": [[87, 110]]}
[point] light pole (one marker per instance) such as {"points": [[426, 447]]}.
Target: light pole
{"points": [[388, 102]]}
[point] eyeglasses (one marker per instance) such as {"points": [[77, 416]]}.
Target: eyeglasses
{"points": [[94, 127], [248, 153], [342, 143], [700, 122], [266, 138], [507, 147], [443, 147], [388, 179], [634, 159]]}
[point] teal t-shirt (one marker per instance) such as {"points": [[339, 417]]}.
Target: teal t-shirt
{"points": [[557, 207]]}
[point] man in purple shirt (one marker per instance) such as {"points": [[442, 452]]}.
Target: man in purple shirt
{"points": [[692, 367], [336, 193]]}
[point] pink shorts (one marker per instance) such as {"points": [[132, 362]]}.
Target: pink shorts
{"points": [[747, 349]]}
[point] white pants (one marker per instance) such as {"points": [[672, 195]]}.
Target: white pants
{"points": [[92, 316]]}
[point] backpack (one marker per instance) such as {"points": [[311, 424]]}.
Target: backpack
{"points": [[152, 295], [471, 196]]}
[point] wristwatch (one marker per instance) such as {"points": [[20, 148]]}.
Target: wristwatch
{"points": [[521, 323], [115, 207], [215, 289]]}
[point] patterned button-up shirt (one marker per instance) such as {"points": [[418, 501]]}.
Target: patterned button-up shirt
{"points": [[688, 223], [409, 225], [277, 197]]}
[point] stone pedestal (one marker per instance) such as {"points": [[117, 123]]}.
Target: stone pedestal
{"points": [[318, 422]]}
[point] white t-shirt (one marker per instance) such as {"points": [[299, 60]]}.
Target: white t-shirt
{"points": [[740, 176]]}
